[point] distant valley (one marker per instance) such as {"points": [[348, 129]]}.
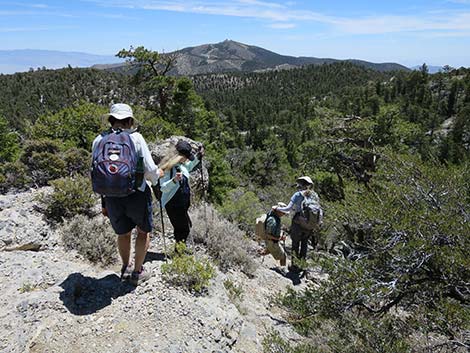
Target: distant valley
{"points": [[12, 61]]}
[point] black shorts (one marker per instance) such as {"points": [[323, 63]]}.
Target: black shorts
{"points": [[127, 212]]}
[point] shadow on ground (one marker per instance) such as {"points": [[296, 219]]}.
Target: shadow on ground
{"points": [[154, 256], [86, 295], [293, 276]]}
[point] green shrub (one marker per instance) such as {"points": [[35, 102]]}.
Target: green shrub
{"points": [[77, 161], [185, 271], [74, 126], [38, 146], [224, 241], [70, 197], [153, 127], [328, 186], [241, 208], [44, 161], [92, 238], [9, 142], [45, 166], [13, 175], [406, 268], [235, 292]]}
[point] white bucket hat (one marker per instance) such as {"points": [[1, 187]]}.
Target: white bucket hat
{"points": [[120, 111], [306, 179]]}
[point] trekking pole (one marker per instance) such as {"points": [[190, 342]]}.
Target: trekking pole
{"points": [[204, 197], [158, 195]]}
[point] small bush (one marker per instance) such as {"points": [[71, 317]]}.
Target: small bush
{"points": [[224, 241], [242, 207], [185, 271], [46, 166], [235, 292], [328, 186], [77, 161], [13, 175], [92, 238], [9, 142], [38, 146], [70, 197]]}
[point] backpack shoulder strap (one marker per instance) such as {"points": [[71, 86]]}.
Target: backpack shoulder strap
{"points": [[265, 221], [118, 131], [106, 132]]}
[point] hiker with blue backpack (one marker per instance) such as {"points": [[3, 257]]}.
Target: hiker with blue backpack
{"points": [[121, 166], [307, 219], [178, 162]]}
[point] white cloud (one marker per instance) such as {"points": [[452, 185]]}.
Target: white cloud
{"points": [[39, 6], [19, 4], [286, 15], [261, 3], [396, 24]]}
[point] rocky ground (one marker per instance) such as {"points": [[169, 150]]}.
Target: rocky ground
{"points": [[54, 301]]}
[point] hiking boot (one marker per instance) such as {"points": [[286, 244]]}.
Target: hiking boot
{"points": [[139, 277], [126, 271]]}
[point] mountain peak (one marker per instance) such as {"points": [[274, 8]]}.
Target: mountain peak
{"points": [[225, 56]]}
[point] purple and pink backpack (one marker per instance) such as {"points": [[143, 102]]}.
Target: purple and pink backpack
{"points": [[113, 170]]}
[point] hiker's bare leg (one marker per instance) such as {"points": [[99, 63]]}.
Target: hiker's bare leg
{"points": [[141, 246], [124, 246], [283, 261]]}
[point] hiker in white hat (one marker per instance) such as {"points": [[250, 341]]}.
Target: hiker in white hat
{"points": [[127, 204], [299, 235]]}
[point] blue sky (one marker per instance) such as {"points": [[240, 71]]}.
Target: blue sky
{"points": [[409, 32]]}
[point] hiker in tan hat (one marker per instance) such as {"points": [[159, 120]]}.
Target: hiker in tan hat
{"points": [[273, 235], [299, 233]]}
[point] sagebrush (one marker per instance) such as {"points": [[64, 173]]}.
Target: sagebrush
{"points": [[93, 238], [224, 241]]}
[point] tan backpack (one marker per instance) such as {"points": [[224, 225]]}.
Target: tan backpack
{"points": [[260, 227]]}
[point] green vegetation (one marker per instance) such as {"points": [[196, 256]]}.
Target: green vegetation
{"points": [[24, 97], [9, 142], [27, 286], [186, 271], [70, 197], [399, 276], [235, 292], [388, 152]]}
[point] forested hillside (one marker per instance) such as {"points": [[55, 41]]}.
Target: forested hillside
{"points": [[26, 96], [388, 152]]}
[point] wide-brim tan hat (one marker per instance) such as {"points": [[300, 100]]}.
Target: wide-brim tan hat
{"points": [[305, 179], [280, 204]]}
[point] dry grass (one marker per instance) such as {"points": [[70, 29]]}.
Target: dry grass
{"points": [[224, 241], [93, 238]]}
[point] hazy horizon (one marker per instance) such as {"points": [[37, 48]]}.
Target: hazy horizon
{"points": [[407, 32]]}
